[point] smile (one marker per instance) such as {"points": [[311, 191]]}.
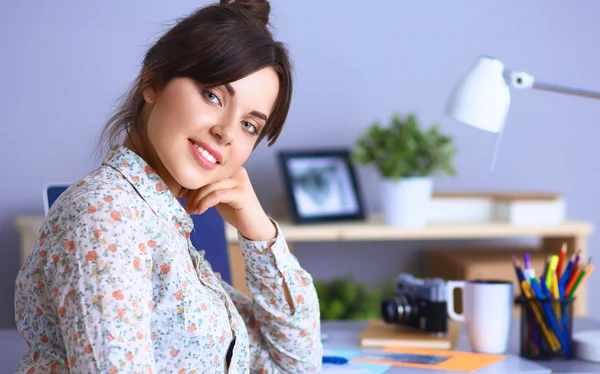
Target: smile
{"points": [[205, 153], [207, 157]]}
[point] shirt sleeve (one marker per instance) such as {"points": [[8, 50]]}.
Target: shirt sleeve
{"points": [[100, 283], [282, 338]]}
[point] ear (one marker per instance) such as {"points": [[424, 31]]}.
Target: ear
{"points": [[149, 95], [148, 92]]}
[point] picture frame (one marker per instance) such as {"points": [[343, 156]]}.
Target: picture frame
{"points": [[321, 185]]}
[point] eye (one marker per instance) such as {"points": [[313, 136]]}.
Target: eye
{"points": [[212, 97], [250, 127]]}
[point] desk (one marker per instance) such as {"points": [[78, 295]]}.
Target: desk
{"points": [[344, 335], [574, 233]]}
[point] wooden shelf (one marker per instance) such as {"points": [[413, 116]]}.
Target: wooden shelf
{"points": [[29, 222], [374, 230], [574, 233]]}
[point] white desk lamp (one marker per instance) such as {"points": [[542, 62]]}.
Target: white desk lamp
{"points": [[481, 98]]}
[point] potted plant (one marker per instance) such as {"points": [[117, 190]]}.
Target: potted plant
{"points": [[406, 156], [344, 298]]}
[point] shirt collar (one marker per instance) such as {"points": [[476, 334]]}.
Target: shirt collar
{"points": [[151, 187]]}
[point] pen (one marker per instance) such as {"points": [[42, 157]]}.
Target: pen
{"points": [[518, 271], [524, 281], [527, 260], [550, 298], [567, 273], [538, 293], [337, 360], [550, 337], [545, 290]]}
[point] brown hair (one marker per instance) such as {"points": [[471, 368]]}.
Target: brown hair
{"points": [[216, 44]]}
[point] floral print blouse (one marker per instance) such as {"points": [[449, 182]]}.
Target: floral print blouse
{"points": [[114, 285]]}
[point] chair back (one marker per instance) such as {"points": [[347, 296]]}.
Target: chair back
{"points": [[208, 233]]}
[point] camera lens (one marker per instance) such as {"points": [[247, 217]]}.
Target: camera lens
{"points": [[389, 310], [396, 309]]}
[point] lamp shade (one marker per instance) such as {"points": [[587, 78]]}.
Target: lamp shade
{"points": [[481, 98]]}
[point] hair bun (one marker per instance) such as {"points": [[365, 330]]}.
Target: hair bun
{"points": [[259, 9]]}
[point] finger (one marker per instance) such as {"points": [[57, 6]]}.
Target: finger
{"points": [[195, 196], [218, 185], [183, 193], [224, 196]]}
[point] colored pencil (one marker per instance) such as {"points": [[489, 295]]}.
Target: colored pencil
{"points": [[550, 298], [550, 337], [564, 279], [574, 278], [561, 260], [584, 276]]}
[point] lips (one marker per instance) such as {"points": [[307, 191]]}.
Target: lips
{"points": [[206, 156]]}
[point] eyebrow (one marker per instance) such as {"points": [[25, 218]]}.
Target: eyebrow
{"points": [[229, 89], [259, 115], [255, 113]]}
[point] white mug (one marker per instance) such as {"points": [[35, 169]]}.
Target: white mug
{"points": [[487, 313]]}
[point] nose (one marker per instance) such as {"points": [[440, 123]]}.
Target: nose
{"points": [[223, 132]]}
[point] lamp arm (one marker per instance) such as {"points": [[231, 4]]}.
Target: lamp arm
{"points": [[566, 90], [524, 80]]}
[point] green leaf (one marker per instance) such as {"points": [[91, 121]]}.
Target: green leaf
{"points": [[335, 310], [404, 149]]}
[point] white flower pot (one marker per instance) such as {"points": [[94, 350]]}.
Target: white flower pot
{"points": [[406, 202]]}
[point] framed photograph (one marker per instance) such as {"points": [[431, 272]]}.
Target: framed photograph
{"points": [[321, 186]]}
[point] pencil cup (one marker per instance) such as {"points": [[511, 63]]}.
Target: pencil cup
{"points": [[546, 328]]}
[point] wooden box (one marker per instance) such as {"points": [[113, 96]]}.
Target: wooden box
{"points": [[480, 263]]}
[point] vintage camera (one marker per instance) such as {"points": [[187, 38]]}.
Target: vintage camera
{"points": [[419, 303]]}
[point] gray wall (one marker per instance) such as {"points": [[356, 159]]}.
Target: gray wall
{"points": [[65, 63]]}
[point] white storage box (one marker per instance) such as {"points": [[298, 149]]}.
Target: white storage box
{"points": [[513, 208]]}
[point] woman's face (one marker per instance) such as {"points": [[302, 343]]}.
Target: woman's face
{"points": [[202, 135]]}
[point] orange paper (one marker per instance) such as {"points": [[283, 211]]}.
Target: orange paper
{"points": [[437, 359]]}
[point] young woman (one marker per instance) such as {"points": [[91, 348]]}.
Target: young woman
{"points": [[114, 284]]}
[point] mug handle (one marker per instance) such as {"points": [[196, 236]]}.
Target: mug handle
{"points": [[450, 297]]}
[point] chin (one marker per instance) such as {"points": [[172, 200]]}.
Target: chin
{"points": [[191, 181], [187, 173]]}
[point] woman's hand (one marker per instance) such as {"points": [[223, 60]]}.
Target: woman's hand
{"points": [[237, 204]]}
